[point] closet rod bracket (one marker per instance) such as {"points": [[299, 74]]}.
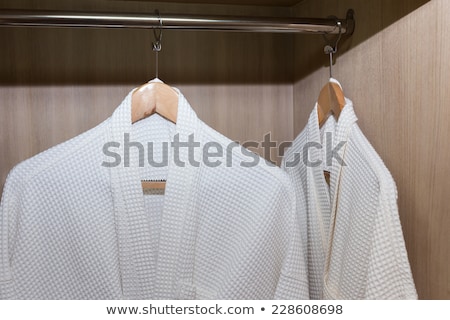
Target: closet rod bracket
{"points": [[350, 19]]}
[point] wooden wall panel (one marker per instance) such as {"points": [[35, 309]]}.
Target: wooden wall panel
{"points": [[398, 80], [439, 244], [371, 17]]}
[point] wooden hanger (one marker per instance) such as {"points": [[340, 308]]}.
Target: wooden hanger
{"points": [[154, 97], [331, 101]]}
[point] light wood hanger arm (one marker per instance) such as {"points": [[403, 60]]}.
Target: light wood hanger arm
{"points": [[331, 101], [154, 97]]}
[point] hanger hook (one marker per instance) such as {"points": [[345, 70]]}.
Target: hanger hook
{"points": [[330, 50], [157, 32]]}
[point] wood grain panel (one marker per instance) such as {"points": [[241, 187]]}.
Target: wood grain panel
{"points": [[398, 85], [110, 56], [371, 17], [414, 131], [65, 56], [440, 209]]}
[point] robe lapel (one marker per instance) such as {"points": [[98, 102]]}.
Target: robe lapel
{"points": [[346, 120], [131, 221], [175, 261], [343, 128], [319, 195]]}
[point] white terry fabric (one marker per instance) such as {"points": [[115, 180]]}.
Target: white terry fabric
{"points": [[71, 228], [355, 245]]}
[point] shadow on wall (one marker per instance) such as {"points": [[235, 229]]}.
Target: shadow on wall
{"points": [[67, 56], [43, 56], [371, 16], [46, 56]]}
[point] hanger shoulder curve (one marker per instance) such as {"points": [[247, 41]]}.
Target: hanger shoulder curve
{"points": [[154, 97], [331, 101], [339, 95]]}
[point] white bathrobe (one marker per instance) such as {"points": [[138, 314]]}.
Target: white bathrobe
{"points": [[73, 228], [355, 245]]}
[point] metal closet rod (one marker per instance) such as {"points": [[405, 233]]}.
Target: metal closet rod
{"points": [[175, 21]]}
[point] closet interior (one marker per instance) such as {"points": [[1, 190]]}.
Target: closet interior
{"points": [[56, 83]]}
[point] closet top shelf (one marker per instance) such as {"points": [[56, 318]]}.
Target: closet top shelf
{"points": [[177, 21]]}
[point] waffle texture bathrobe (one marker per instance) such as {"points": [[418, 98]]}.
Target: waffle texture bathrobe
{"points": [[75, 224], [355, 244]]}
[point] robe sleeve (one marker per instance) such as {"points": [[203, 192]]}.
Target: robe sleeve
{"points": [[389, 275]]}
